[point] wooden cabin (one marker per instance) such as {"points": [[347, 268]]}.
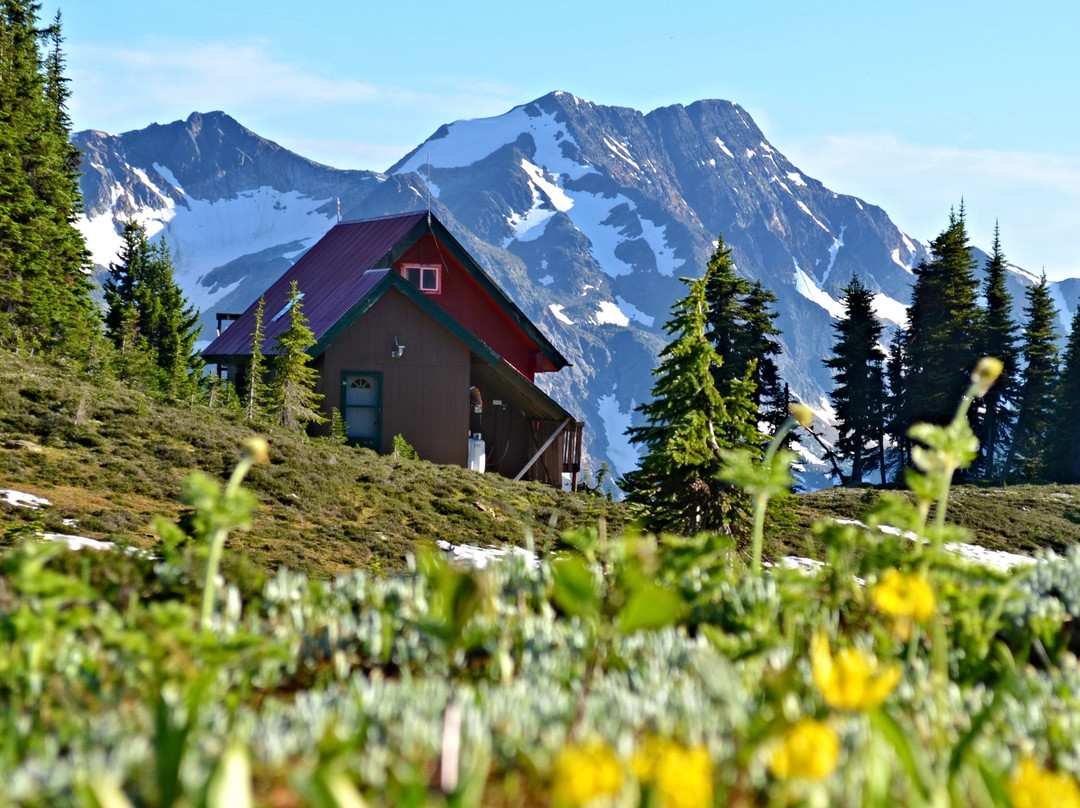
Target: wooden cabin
{"points": [[414, 338]]}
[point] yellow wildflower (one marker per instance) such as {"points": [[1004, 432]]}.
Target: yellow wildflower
{"points": [[808, 749], [905, 595], [681, 777], [985, 374], [851, 680], [586, 773], [1031, 786]]}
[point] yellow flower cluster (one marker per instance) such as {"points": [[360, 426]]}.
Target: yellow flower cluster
{"points": [[586, 774], [905, 595], [808, 749], [680, 777], [1031, 786], [851, 680]]}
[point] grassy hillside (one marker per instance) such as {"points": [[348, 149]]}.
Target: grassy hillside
{"points": [[112, 459]]}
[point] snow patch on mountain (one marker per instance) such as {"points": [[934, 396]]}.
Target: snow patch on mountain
{"points": [[610, 313], [806, 210], [620, 151], [796, 178], [1064, 316], [547, 280], [557, 310], [838, 242], [633, 312], [886, 308], [724, 148], [468, 142], [620, 451], [806, 287], [167, 175], [206, 234]]}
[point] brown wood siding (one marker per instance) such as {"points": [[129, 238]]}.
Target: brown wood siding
{"points": [[425, 392]]}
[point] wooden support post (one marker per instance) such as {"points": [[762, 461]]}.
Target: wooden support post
{"points": [[542, 449]]}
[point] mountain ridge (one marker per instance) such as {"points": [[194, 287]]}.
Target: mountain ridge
{"points": [[586, 214]]}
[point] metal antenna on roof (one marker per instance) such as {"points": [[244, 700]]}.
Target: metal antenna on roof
{"points": [[428, 186], [339, 210]]}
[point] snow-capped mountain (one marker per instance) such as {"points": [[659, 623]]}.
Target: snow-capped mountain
{"points": [[587, 215]]}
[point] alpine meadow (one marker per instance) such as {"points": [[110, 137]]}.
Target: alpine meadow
{"points": [[814, 542]]}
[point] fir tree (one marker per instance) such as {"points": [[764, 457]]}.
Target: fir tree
{"points": [[140, 289], [687, 424], [858, 394], [1040, 352], [944, 323], [255, 404], [291, 394], [741, 329], [896, 408], [45, 301], [1063, 442], [998, 339]]}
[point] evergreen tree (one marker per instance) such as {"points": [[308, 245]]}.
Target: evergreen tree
{"points": [[291, 394], [896, 407], [740, 327], [858, 394], [687, 424], [144, 301], [45, 301], [944, 322], [998, 339], [1063, 442], [1040, 352], [255, 404], [760, 342]]}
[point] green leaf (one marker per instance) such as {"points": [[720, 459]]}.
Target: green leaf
{"points": [[918, 770], [650, 607], [575, 587]]}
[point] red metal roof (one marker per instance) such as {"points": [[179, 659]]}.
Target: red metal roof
{"points": [[333, 276]]}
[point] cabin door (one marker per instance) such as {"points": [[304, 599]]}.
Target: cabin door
{"points": [[362, 410]]}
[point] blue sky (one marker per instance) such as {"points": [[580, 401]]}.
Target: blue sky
{"points": [[910, 106]]}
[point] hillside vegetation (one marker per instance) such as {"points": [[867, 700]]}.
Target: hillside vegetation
{"points": [[111, 459]]}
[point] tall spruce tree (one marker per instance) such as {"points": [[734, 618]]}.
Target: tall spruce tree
{"points": [[858, 394], [944, 322], [741, 328], [896, 409], [999, 337], [687, 424], [255, 404], [1063, 442], [145, 302], [45, 289], [1039, 347], [291, 395]]}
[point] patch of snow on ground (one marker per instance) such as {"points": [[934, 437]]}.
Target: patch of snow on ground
{"points": [[911, 248], [806, 287], [724, 148], [999, 559], [21, 499], [83, 543], [547, 199], [796, 178], [547, 280], [620, 451], [750, 153], [886, 308], [557, 310], [806, 210], [480, 557], [633, 312], [837, 243], [610, 313]]}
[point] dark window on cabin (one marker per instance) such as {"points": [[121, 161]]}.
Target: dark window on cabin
{"points": [[425, 278]]}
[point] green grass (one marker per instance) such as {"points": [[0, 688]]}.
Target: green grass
{"points": [[113, 458]]}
